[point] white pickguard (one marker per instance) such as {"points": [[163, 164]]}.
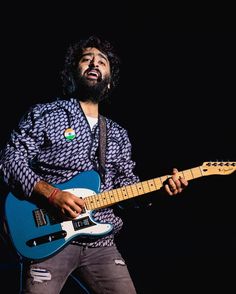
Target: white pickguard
{"points": [[93, 230]]}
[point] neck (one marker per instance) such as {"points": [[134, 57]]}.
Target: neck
{"points": [[89, 108]]}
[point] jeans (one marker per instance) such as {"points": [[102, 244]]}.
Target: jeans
{"points": [[101, 270]]}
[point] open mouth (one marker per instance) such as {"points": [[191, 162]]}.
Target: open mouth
{"points": [[93, 74]]}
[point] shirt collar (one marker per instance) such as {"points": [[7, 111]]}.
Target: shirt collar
{"points": [[71, 105]]}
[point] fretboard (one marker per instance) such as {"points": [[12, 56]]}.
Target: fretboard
{"points": [[111, 197]]}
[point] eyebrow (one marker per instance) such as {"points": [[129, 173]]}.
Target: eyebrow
{"points": [[99, 54]]}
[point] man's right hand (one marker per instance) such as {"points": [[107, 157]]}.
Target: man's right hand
{"points": [[67, 203]]}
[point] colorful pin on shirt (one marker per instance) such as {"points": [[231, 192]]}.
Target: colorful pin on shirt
{"points": [[69, 134]]}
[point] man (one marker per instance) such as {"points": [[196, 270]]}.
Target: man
{"points": [[56, 141]]}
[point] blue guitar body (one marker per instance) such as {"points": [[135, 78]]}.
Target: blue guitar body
{"points": [[36, 234]]}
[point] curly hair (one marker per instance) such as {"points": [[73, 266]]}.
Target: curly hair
{"points": [[73, 55]]}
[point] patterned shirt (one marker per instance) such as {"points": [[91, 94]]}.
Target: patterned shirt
{"points": [[39, 150]]}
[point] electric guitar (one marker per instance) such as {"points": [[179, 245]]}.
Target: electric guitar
{"points": [[36, 233]]}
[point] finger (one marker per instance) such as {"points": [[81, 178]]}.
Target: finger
{"points": [[178, 181], [175, 186], [66, 214], [76, 208], [168, 190], [79, 201], [171, 190], [178, 184], [183, 181], [172, 184], [71, 212], [74, 202], [175, 171]]}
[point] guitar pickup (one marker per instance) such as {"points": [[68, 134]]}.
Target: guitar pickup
{"points": [[82, 223], [46, 238], [39, 217]]}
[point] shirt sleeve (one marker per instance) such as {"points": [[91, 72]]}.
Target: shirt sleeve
{"points": [[126, 165], [19, 152], [127, 176], [126, 171]]}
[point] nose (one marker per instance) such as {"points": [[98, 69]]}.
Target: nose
{"points": [[93, 63]]}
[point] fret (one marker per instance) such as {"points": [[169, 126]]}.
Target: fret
{"points": [[126, 192]]}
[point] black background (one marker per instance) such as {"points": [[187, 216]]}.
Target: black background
{"points": [[175, 98]]}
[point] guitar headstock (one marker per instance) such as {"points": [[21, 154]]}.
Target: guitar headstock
{"points": [[218, 168]]}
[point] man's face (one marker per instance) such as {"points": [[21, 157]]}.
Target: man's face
{"points": [[93, 74], [94, 66]]}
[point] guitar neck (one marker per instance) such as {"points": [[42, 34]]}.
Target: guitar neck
{"points": [[111, 197]]}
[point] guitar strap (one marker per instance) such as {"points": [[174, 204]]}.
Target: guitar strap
{"points": [[102, 146]]}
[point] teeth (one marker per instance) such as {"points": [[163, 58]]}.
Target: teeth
{"points": [[94, 73]]}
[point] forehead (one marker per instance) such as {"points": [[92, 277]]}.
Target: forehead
{"points": [[92, 51]]}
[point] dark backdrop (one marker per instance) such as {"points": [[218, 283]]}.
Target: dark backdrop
{"points": [[176, 99]]}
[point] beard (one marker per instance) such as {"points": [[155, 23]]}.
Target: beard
{"points": [[88, 90]]}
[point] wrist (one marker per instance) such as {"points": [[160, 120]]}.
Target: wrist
{"points": [[51, 197]]}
